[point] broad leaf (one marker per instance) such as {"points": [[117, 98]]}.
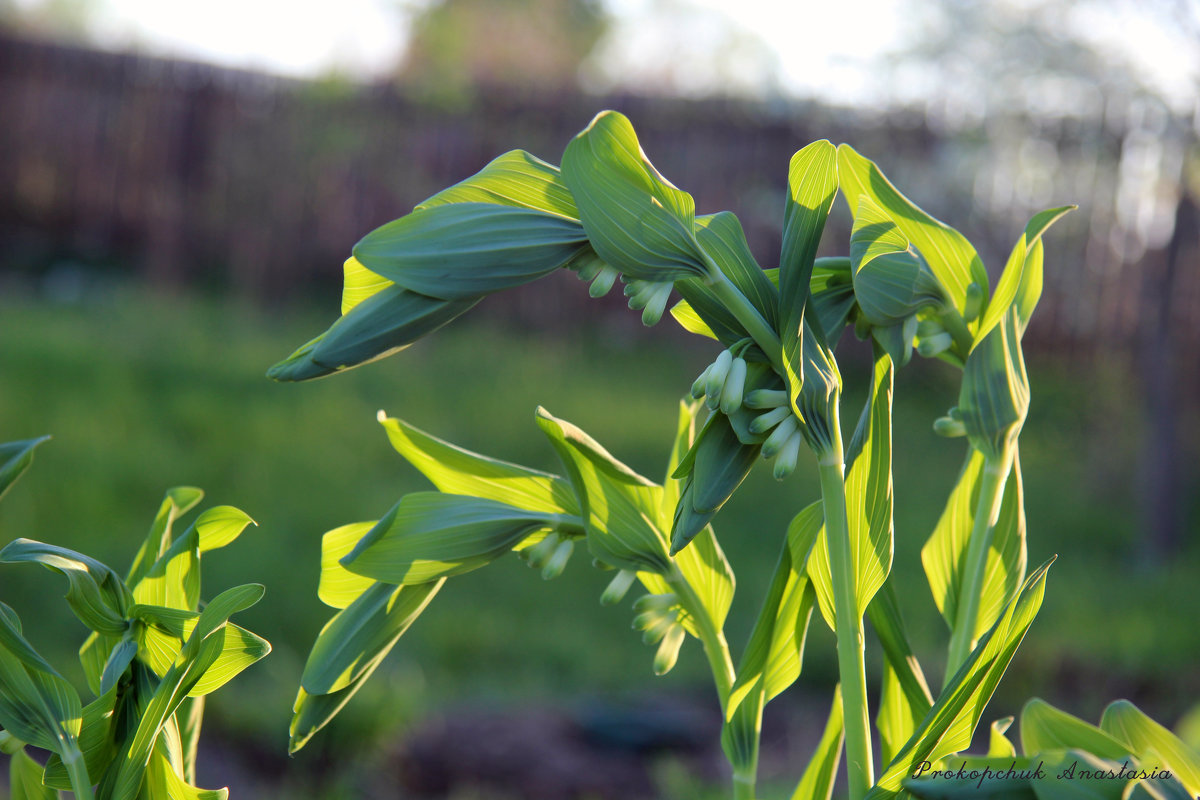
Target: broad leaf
{"points": [[1020, 284], [95, 593], [461, 251], [515, 179], [817, 782], [718, 463], [944, 555], [635, 219], [891, 283], [382, 324], [620, 507], [722, 237], [455, 470], [357, 635], [1125, 722], [948, 253], [15, 458], [812, 185], [339, 587], [994, 397], [1044, 728], [868, 501], [36, 704], [359, 283], [430, 535], [25, 779], [949, 725], [178, 501]]}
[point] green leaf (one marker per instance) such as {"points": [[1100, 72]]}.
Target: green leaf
{"points": [[884, 613], [891, 283], [1044, 727], [635, 219], [429, 535], [949, 725], [994, 398], [950, 256], [620, 507], [812, 185], [355, 636], [96, 741], [456, 470], [719, 463], [515, 179], [868, 500], [95, 593], [339, 587], [204, 646], [944, 554], [220, 526], [817, 782], [359, 283], [1020, 284], [1128, 724], [384, 323], [36, 704], [167, 629], [161, 780], [722, 237], [15, 458], [691, 321], [178, 501], [25, 779], [999, 745], [832, 295], [464, 250], [703, 565]]}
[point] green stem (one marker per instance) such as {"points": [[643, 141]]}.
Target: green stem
{"points": [[743, 784], [956, 326], [81, 784], [849, 626], [758, 328], [716, 648], [987, 512]]}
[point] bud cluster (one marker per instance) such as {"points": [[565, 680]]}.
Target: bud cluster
{"points": [[658, 619], [783, 444], [550, 555]]}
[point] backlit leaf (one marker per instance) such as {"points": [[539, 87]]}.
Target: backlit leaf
{"points": [[15, 458]]}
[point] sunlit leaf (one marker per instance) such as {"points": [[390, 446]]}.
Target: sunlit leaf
{"points": [[515, 179], [1125, 722], [1044, 728], [635, 219], [456, 470], [812, 185], [339, 587], [94, 592]]}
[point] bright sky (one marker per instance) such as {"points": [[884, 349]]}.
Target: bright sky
{"points": [[693, 51]]}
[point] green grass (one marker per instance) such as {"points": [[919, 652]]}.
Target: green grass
{"points": [[143, 391]]}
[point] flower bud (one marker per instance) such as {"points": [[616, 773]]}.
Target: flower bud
{"points": [[935, 344], [668, 651], [735, 384], [558, 560], [698, 388], [778, 439], [617, 587], [974, 302], [766, 398], [603, 281], [540, 553], [765, 422], [655, 602], [949, 427], [785, 464], [716, 378]]}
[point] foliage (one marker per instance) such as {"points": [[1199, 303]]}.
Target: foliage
{"points": [[910, 282], [154, 653]]}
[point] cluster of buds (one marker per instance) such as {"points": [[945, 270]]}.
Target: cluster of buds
{"points": [[601, 275], [550, 555], [783, 444], [722, 383], [650, 296], [658, 619]]}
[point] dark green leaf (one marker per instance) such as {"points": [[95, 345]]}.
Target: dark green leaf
{"points": [[95, 593], [463, 250], [15, 458]]}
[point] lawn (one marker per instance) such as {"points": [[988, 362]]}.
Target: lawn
{"points": [[144, 391]]}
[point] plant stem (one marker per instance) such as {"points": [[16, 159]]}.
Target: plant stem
{"points": [[81, 784], [758, 328], [716, 648], [850, 640], [743, 784], [987, 512]]}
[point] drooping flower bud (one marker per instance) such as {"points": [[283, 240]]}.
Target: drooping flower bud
{"points": [[618, 587], [668, 651]]}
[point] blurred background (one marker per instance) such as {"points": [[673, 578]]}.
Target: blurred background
{"points": [[180, 183]]}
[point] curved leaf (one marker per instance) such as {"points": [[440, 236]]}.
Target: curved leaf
{"points": [[812, 185], [339, 587], [456, 470], [515, 179], [15, 458], [460, 251], [95, 593], [635, 219]]}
